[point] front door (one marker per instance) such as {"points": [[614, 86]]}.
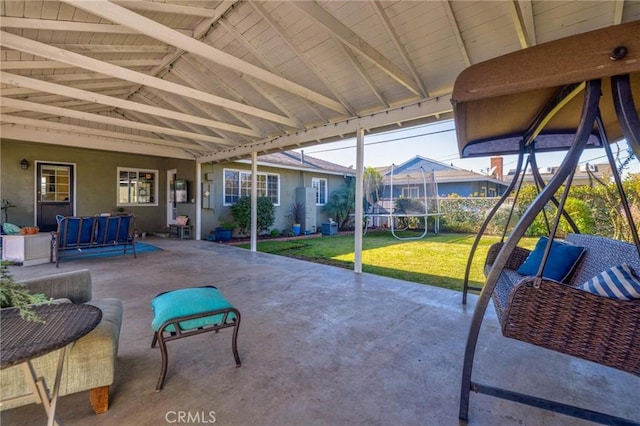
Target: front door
{"points": [[55, 195]]}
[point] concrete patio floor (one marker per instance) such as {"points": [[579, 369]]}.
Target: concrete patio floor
{"points": [[319, 346]]}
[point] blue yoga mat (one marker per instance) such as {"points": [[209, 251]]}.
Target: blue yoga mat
{"points": [[99, 252]]}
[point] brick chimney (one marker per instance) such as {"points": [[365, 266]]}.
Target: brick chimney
{"points": [[497, 163]]}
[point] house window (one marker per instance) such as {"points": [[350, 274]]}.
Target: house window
{"points": [[55, 183], [137, 187], [320, 186], [411, 192], [237, 183]]}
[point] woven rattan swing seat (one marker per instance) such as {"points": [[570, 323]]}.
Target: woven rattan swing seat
{"points": [[569, 94]]}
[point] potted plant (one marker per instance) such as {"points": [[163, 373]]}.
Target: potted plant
{"points": [[16, 295], [296, 214], [224, 230]]}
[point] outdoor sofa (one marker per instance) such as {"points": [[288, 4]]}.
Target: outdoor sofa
{"points": [[90, 363], [87, 232]]}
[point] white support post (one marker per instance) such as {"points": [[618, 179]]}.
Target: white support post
{"points": [[357, 264], [198, 191], [254, 201]]}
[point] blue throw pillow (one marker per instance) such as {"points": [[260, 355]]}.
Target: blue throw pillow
{"points": [[563, 258], [10, 228], [619, 282]]}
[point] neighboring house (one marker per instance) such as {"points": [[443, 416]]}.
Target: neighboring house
{"points": [[285, 177], [407, 180], [584, 175], [58, 179]]}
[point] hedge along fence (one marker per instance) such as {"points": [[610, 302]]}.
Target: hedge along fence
{"points": [[466, 214], [595, 210]]}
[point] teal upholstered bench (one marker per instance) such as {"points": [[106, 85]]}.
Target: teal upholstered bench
{"points": [[187, 312]]}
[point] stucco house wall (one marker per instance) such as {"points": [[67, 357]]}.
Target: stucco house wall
{"points": [[96, 181], [289, 180]]}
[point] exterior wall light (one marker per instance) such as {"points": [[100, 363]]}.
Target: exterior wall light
{"points": [[24, 164]]}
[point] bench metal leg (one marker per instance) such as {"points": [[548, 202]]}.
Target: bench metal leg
{"points": [[160, 337]]}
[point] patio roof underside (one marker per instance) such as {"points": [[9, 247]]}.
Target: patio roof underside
{"points": [[217, 80]]}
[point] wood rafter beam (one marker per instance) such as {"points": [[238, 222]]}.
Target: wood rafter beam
{"points": [[101, 85], [91, 76], [265, 62], [456, 32], [522, 16], [299, 53], [174, 9], [166, 123], [200, 31], [14, 119], [110, 48], [393, 35], [363, 74], [50, 65], [18, 132], [57, 111], [418, 112], [54, 25], [618, 9], [40, 49], [191, 80], [180, 105], [150, 28], [67, 91], [355, 42]]}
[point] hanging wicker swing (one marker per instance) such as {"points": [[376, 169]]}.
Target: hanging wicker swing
{"points": [[570, 95]]}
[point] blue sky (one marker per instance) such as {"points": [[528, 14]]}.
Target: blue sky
{"points": [[437, 142]]}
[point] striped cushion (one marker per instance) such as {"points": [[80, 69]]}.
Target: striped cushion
{"points": [[619, 282]]}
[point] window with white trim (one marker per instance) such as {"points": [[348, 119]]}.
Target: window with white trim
{"points": [[411, 192], [137, 187], [320, 186], [237, 183]]}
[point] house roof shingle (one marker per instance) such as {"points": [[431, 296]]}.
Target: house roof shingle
{"points": [[299, 161]]}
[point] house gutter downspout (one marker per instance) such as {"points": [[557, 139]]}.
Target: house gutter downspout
{"points": [[254, 201], [357, 264]]}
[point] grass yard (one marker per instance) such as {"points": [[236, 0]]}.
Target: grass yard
{"points": [[438, 260]]}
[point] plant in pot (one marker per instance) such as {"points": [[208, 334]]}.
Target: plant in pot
{"points": [[296, 214], [16, 295], [224, 230]]}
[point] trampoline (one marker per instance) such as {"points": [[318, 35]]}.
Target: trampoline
{"points": [[411, 202]]}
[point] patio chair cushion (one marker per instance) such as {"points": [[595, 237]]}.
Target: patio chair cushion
{"points": [[618, 282], [561, 261], [189, 301], [10, 228]]}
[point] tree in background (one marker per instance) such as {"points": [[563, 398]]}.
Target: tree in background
{"points": [[373, 186], [341, 203]]}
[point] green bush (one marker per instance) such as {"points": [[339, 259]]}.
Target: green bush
{"points": [[341, 204], [241, 212]]}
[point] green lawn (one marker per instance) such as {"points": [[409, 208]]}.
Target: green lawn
{"points": [[438, 260]]}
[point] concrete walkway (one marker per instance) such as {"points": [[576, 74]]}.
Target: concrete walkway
{"points": [[319, 346]]}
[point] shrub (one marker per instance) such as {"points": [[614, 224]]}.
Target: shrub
{"points": [[241, 212], [341, 204]]}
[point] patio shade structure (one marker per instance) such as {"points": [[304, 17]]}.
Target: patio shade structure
{"points": [[571, 94], [222, 80]]}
